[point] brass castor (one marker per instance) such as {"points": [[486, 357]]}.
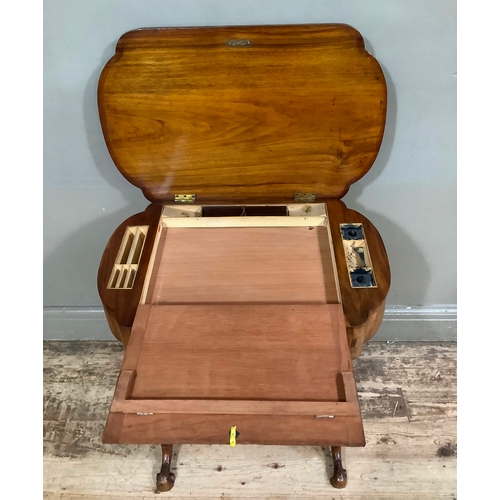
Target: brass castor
{"points": [[339, 478], [165, 479]]}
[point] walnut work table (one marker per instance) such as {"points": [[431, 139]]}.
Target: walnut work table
{"points": [[246, 287]]}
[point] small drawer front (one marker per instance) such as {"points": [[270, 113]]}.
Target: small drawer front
{"points": [[251, 429]]}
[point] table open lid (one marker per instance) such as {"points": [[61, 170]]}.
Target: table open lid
{"points": [[253, 113], [241, 115]]}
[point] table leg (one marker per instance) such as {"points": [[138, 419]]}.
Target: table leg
{"points": [[165, 479], [339, 478]]}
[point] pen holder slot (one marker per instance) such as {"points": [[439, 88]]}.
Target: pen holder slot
{"points": [[128, 257]]}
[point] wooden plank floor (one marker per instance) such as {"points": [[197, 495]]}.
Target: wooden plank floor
{"points": [[408, 399]]}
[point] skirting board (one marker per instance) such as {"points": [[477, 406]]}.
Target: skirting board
{"points": [[437, 323]]}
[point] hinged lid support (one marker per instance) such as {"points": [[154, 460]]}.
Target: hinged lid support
{"points": [[184, 198]]}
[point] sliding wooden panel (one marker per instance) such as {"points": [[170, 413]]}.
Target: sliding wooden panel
{"points": [[243, 265], [289, 352], [277, 366]]}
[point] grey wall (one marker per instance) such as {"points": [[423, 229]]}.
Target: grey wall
{"points": [[409, 194]]}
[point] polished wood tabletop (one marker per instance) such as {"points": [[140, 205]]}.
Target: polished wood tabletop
{"points": [[232, 113]]}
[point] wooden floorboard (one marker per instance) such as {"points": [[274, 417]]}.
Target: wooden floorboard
{"points": [[407, 393]]}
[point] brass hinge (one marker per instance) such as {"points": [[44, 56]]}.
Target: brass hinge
{"points": [[304, 197], [184, 198]]}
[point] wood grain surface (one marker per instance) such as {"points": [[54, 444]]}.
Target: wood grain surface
{"points": [[243, 265], [407, 393], [241, 352], [236, 113], [280, 362], [254, 429]]}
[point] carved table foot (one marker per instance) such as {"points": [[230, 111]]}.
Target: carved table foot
{"points": [[165, 479], [339, 478]]}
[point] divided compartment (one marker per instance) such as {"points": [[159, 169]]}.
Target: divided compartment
{"points": [[238, 210], [128, 258], [267, 259], [357, 256]]}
